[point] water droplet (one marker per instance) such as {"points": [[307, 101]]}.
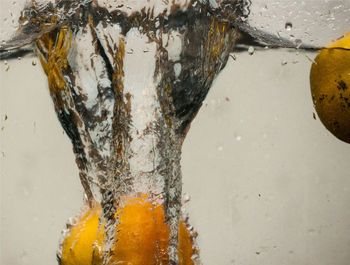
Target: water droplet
{"points": [[194, 234], [71, 222], [34, 63], [186, 198], [238, 138], [195, 257], [7, 66], [251, 50], [284, 62], [177, 69], [288, 26]]}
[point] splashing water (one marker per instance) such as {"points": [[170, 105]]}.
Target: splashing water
{"points": [[127, 78]]}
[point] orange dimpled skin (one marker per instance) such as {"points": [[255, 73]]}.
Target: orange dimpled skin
{"points": [[142, 234], [185, 248], [82, 246], [330, 87], [142, 237]]}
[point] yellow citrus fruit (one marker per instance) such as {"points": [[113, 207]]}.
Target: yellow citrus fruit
{"points": [[83, 244], [330, 87], [142, 237]]}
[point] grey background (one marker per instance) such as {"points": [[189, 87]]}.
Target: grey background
{"points": [[268, 183]]}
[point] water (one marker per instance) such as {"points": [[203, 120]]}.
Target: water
{"points": [[125, 110], [126, 87]]}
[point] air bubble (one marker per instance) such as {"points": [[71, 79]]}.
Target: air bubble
{"points": [[7, 66], [186, 198], [251, 50], [288, 26]]}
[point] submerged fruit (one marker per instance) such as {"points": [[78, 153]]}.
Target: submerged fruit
{"points": [[330, 87], [142, 237], [83, 244]]}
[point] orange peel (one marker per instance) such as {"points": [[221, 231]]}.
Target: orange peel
{"points": [[330, 87], [142, 237]]}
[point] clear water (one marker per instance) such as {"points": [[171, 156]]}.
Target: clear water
{"points": [[134, 83]]}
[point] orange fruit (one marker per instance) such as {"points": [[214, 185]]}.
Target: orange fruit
{"points": [[330, 87], [142, 237], [84, 241]]}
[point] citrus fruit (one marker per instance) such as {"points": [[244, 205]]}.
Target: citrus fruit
{"points": [[330, 87], [142, 237]]}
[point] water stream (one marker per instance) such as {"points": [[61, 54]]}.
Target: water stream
{"points": [[126, 79]]}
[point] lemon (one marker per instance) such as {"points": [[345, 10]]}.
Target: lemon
{"points": [[330, 87], [142, 237]]}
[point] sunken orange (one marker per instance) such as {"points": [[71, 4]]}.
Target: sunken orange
{"points": [[142, 237]]}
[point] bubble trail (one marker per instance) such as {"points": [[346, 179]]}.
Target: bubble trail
{"points": [[126, 79]]}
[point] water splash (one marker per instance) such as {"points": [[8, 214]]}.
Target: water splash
{"points": [[126, 79]]}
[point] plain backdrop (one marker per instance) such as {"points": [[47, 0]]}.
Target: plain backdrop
{"points": [[269, 185]]}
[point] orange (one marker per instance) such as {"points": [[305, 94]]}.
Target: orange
{"points": [[330, 87], [142, 237], [83, 244]]}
